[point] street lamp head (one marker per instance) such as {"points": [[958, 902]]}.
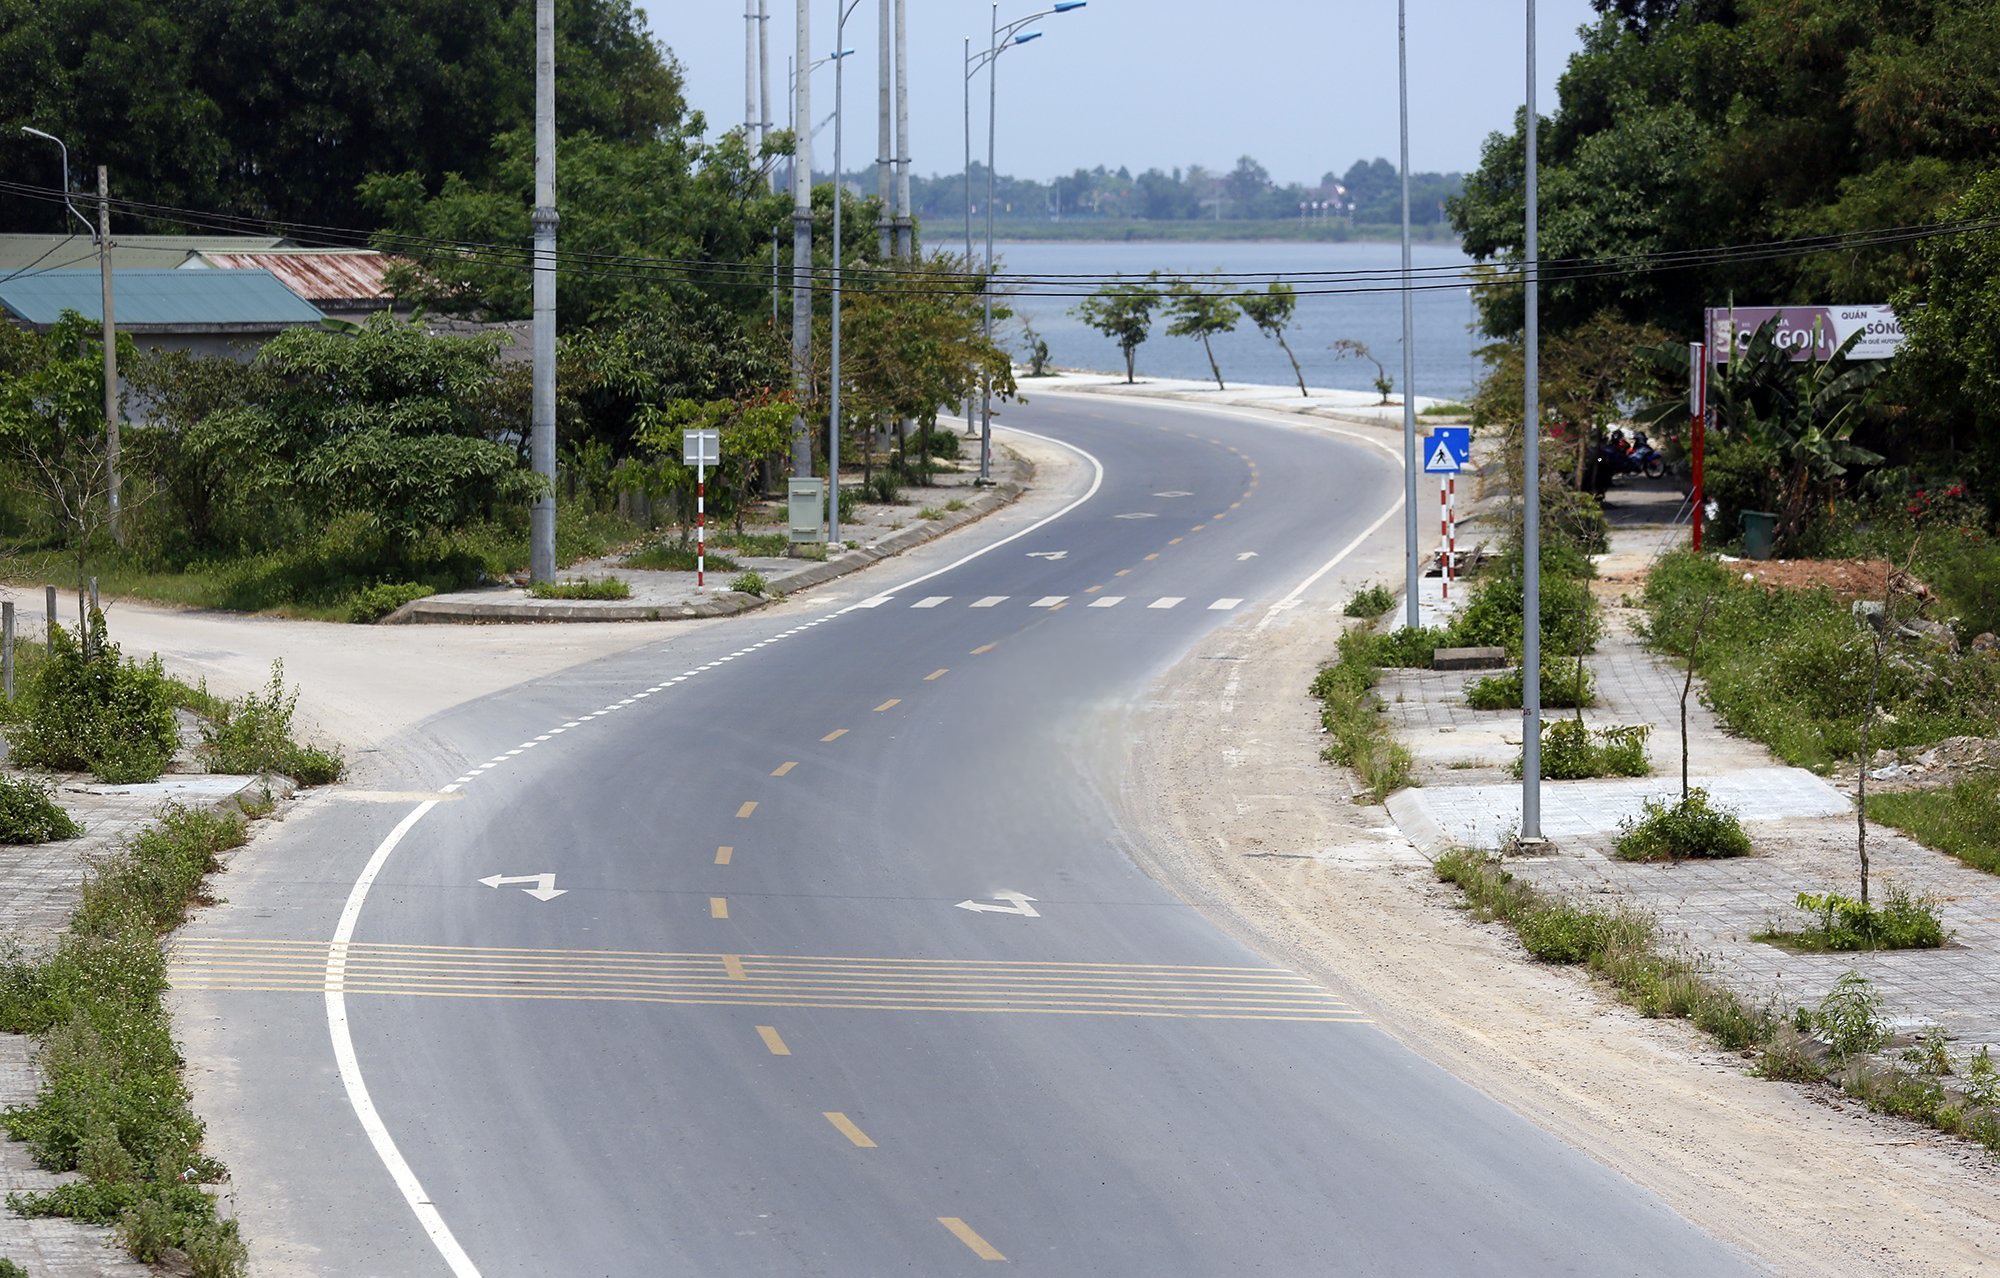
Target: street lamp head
{"points": [[844, 53], [38, 133], [1066, 5], [1024, 37]]}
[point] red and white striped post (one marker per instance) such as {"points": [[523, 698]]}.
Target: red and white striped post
{"points": [[700, 524], [1448, 526], [1698, 403]]}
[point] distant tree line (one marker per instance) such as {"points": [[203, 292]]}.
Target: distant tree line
{"points": [[1369, 192]]}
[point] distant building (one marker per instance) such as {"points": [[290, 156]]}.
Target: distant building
{"points": [[209, 312], [344, 283], [21, 255]]}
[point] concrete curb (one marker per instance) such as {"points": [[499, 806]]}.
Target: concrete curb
{"points": [[728, 603]]}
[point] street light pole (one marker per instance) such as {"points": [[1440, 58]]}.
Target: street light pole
{"points": [[833, 380], [906, 230], [802, 242], [1531, 490], [885, 133], [542, 401], [1411, 613], [764, 86]]}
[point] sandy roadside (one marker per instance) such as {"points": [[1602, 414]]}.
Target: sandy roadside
{"points": [[1232, 807]]}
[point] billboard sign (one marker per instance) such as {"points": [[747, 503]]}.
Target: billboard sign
{"points": [[1808, 332]]}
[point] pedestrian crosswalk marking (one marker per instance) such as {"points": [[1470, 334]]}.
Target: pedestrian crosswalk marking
{"points": [[1223, 605], [931, 602], [990, 601], [1167, 601], [1108, 601], [1048, 601]]}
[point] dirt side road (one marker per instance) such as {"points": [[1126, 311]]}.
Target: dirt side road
{"points": [[1235, 811]]}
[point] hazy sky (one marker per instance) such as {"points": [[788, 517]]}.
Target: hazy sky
{"points": [[1303, 85]]}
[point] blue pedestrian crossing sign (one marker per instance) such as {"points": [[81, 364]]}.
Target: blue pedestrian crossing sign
{"points": [[1447, 450]]}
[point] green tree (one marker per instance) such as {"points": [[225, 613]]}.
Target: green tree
{"points": [[1197, 312], [1354, 348], [751, 436], [1951, 353], [1123, 313], [1271, 311]]}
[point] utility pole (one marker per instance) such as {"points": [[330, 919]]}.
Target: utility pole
{"points": [[110, 351], [764, 121], [542, 413], [802, 459], [906, 231], [1531, 491], [1411, 575], [885, 146], [750, 116]]}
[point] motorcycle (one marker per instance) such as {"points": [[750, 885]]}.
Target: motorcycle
{"points": [[1644, 459]]}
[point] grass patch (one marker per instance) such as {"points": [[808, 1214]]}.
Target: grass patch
{"points": [[930, 512], [1408, 648], [1961, 820], [378, 601], [30, 814], [678, 556], [1370, 601], [252, 735], [1791, 668], [1572, 751], [1445, 410], [1842, 924], [582, 588], [112, 1104], [956, 503], [1351, 714], [1560, 688], [1686, 828], [750, 583], [758, 545]]}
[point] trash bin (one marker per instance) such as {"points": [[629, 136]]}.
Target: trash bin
{"points": [[1760, 531]]}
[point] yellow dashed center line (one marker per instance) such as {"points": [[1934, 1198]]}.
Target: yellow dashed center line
{"points": [[723, 854], [1122, 572], [783, 768], [939, 673], [835, 735], [1156, 554], [718, 907], [771, 1040], [890, 704], [983, 649], [1234, 505], [1197, 527], [964, 1233], [746, 809], [845, 1126], [1091, 590], [732, 966]]}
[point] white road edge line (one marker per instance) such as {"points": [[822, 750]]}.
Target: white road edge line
{"points": [[1327, 567], [350, 1066]]}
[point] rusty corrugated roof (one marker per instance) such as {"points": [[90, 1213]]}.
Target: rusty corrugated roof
{"points": [[346, 275]]}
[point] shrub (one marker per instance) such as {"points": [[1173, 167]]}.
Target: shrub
{"points": [[94, 711], [1902, 922], [253, 736], [850, 504], [1493, 617], [157, 875], [1848, 1019], [582, 588], [383, 598], [29, 814], [8, 1269], [750, 583], [1559, 688], [1410, 647], [1372, 601], [883, 489], [1689, 827], [216, 1250], [1572, 750], [941, 445]]}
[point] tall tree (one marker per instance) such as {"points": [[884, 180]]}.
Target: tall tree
{"points": [[1271, 311], [1198, 312], [1123, 313]]}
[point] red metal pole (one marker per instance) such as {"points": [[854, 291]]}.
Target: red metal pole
{"points": [[1451, 531], [1700, 429], [700, 527]]}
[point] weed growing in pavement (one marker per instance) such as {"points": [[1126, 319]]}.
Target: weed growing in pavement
{"points": [[252, 735], [1560, 688], [1842, 924], [1572, 750], [750, 583], [930, 512], [678, 556], [1371, 601], [8, 1269], [582, 588], [1351, 714], [30, 814], [1790, 1057], [884, 489], [378, 601], [1848, 1018], [1688, 827], [956, 503], [765, 545]]}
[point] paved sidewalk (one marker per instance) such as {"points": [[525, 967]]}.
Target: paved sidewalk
{"points": [[42, 888], [1802, 825]]}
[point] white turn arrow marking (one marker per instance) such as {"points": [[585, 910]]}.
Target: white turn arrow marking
{"points": [[1248, 554], [1175, 493], [1050, 555], [1137, 514], [1020, 905], [545, 888]]}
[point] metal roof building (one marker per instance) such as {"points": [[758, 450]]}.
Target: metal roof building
{"points": [[161, 301], [24, 254], [345, 282]]}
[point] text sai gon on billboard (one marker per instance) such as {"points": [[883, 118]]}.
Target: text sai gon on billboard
{"points": [[1807, 332]]}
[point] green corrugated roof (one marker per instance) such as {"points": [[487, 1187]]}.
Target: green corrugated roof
{"points": [[26, 253], [160, 299]]}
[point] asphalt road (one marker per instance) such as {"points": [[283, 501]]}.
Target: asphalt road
{"points": [[757, 1032]]}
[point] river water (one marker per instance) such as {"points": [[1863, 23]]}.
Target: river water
{"points": [[1445, 367]]}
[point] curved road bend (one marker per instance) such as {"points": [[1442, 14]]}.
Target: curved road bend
{"points": [[758, 1034]]}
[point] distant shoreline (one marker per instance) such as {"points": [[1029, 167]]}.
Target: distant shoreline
{"points": [[1088, 232]]}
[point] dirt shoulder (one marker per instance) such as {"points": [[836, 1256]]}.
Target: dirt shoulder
{"points": [[1231, 807]]}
